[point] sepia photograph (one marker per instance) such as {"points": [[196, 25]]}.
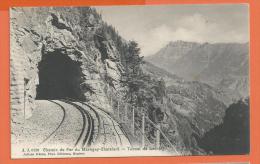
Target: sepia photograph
{"points": [[134, 80]]}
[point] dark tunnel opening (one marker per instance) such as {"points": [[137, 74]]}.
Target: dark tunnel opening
{"points": [[59, 77]]}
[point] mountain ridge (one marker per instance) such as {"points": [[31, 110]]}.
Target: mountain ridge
{"points": [[221, 65]]}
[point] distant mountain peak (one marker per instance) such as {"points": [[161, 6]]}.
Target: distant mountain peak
{"points": [[175, 50], [223, 65], [182, 42]]}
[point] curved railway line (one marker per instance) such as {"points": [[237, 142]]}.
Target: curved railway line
{"points": [[86, 134], [89, 130], [93, 110], [91, 118], [63, 118], [112, 121]]}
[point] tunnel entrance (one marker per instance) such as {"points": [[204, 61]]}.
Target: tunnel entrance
{"points": [[59, 77]]}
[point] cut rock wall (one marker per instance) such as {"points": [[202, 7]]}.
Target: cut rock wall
{"points": [[38, 31]]}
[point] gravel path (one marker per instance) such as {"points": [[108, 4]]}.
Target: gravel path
{"points": [[69, 131], [46, 118], [59, 124]]}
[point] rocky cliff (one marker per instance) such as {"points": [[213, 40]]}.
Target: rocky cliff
{"points": [[193, 109], [73, 37], [57, 48]]}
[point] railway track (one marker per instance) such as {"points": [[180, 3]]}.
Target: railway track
{"points": [[114, 125], [96, 115], [63, 118], [93, 120], [86, 135]]}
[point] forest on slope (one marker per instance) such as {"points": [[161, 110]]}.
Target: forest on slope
{"points": [[111, 66], [190, 109]]}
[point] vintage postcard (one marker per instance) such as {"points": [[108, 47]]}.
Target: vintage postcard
{"points": [[119, 81]]}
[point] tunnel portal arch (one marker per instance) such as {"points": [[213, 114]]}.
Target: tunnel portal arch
{"points": [[59, 77]]}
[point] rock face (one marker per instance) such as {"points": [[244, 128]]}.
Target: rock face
{"points": [[201, 119], [196, 108], [71, 53], [222, 65], [231, 137], [38, 36], [193, 109]]}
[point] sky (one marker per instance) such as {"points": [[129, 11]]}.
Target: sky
{"points": [[153, 27]]}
